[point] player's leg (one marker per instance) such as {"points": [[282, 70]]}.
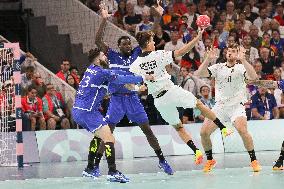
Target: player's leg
{"points": [[114, 114], [166, 105], [208, 113], [193, 102], [136, 113], [107, 137], [240, 124], [207, 129], [279, 163]]}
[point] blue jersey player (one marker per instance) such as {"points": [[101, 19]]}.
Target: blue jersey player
{"points": [[91, 91], [123, 101]]}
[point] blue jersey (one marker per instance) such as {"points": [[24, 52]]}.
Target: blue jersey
{"points": [[118, 62], [94, 84]]}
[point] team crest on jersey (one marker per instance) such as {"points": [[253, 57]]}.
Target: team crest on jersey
{"points": [[148, 65]]}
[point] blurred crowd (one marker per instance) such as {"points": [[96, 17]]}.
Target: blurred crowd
{"points": [[256, 25]]}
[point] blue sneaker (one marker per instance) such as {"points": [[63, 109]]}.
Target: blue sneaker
{"points": [[94, 173], [117, 177], [166, 167]]}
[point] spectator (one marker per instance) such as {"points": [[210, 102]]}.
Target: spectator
{"points": [[265, 40], [265, 28], [110, 5], [65, 66], [258, 69], [251, 52], [54, 110], [268, 63], [39, 85], [167, 17], [119, 14], [264, 106], [161, 37], [145, 24], [223, 34], [205, 99], [71, 81], [251, 16], [141, 7], [187, 82], [277, 42], [261, 18], [29, 61], [179, 7], [282, 69], [244, 22], [255, 39], [32, 110], [93, 4], [131, 19], [75, 73], [279, 96], [27, 79], [279, 14], [191, 15], [230, 11], [175, 43], [239, 29]]}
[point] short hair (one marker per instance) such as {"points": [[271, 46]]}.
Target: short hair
{"points": [[93, 53], [31, 87], [30, 69], [143, 38], [233, 46], [203, 86], [122, 38]]}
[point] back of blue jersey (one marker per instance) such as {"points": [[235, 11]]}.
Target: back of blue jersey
{"points": [[119, 62], [92, 88]]}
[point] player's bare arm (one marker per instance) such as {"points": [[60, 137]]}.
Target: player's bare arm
{"points": [[186, 48], [210, 55], [250, 72], [99, 35]]}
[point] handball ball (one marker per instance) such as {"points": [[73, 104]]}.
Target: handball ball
{"points": [[203, 21]]}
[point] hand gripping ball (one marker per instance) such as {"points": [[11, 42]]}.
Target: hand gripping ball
{"points": [[203, 21]]}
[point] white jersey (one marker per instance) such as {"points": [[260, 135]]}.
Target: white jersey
{"points": [[154, 63], [230, 85]]}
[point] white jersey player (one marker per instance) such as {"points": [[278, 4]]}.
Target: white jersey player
{"points": [[230, 92], [167, 96]]}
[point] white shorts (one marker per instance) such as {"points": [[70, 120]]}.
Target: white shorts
{"points": [[229, 113], [173, 98]]}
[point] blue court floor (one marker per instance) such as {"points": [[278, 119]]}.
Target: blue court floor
{"points": [[231, 172]]}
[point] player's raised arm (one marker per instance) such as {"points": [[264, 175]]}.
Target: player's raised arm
{"points": [[250, 72], [210, 55], [187, 47], [99, 35]]}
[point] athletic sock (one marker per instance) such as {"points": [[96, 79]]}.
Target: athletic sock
{"points": [[110, 156], [252, 155], [219, 124], [191, 144], [98, 159], [281, 157], [160, 154], [94, 145], [209, 154]]}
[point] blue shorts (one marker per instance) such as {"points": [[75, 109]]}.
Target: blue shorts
{"points": [[91, 121], [128, 105]]}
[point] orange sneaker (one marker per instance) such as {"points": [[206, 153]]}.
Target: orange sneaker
{"points": [[255, 166], [198, 157], [210, 164]]}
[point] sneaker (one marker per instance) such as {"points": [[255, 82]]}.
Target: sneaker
{"points": [[210, 164], [226, 132], [117, 177], [166, 167], [198, 157], [255, 166], [94, 173], [278, 165]]}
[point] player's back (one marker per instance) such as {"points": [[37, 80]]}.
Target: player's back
{"points": [[119, 62], [154, 63], [92, 89]]}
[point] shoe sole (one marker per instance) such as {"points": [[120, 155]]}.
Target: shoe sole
{"points": [[164, 170], [278, 168]]}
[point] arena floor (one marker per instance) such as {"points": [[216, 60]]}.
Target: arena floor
{"points": [[232, 171]]}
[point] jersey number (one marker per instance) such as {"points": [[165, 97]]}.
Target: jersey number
{"points": [[230, 79], [85, 81]]}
